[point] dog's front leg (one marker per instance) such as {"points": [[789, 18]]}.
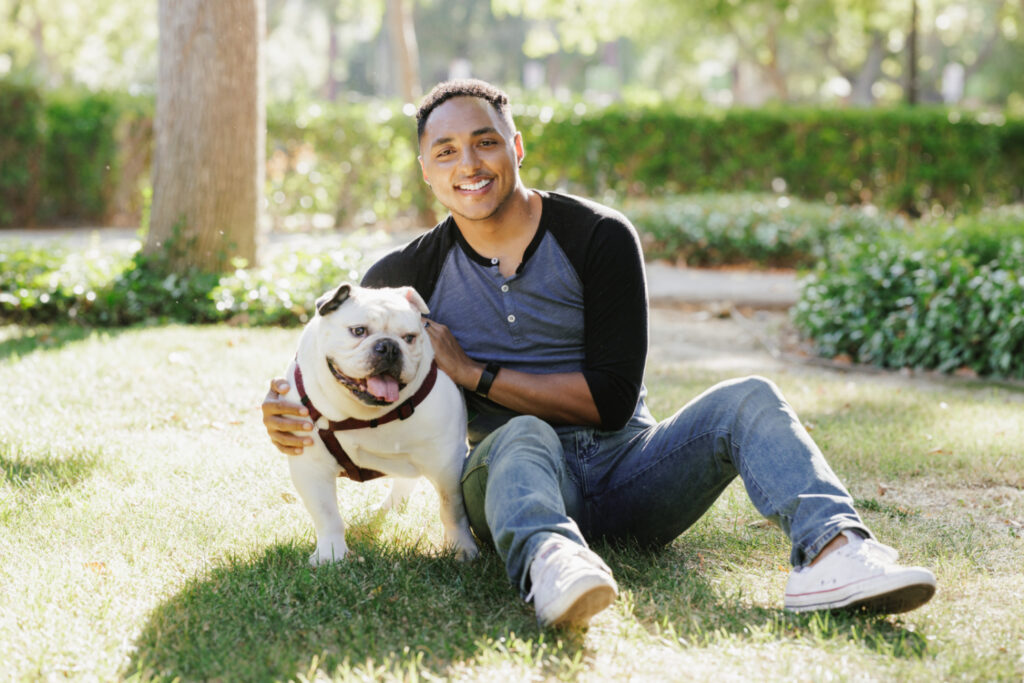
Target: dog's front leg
{"points": [[315, 479]]}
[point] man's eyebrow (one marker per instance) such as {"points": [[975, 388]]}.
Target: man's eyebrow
{"points": [[476, 133]]}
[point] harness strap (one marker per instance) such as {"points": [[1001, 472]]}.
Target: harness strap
{"points": [[402, 412]]}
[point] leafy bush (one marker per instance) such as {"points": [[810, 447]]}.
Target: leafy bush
{"points": [[942, 296], [101, 287], [759, 230]]}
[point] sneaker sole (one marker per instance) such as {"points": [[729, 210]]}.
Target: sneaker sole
{"points": [[900, 599], [584, 607]]}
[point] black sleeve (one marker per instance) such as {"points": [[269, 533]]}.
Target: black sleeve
{"points": [[417, 264], [616, 319]]}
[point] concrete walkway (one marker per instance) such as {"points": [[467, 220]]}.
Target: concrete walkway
{"points": [[668, 284]]}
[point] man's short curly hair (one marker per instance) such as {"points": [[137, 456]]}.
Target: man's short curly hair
{"points": [[464, 87]]}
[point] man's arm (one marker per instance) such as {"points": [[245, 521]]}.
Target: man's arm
{"points": [[559, 398]]}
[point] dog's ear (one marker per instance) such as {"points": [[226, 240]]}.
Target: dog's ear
{"points": [[414, 298], [332, 300]]}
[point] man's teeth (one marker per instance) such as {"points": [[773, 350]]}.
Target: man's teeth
{"points": [[476, 186]]}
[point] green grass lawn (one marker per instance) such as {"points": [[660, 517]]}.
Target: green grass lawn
{"points": [[150, 532]]}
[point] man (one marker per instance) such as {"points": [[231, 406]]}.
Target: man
{"points": [[539, 311]]}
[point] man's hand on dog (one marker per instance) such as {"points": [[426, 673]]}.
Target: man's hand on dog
{"points": [[288, 434], [450, 357]]}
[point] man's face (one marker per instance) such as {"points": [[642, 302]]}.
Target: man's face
{"points": [[470, 157]]}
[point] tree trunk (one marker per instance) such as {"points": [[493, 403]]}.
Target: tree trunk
{"points": [[404, 50], [861, 94], [209, 159]]}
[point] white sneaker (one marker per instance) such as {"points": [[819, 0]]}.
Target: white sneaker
{"points": [[570, 583], [862, 574]]}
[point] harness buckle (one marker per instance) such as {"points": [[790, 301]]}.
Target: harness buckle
{"points": [[405, 410]]}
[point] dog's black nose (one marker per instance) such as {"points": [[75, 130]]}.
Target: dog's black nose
{"points": [[387, 350]]}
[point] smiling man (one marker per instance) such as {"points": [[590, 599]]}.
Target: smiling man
{"points": [[538, 307]]}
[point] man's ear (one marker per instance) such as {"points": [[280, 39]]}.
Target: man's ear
{"points": [[520, 148], [423, 170], [332, 300]]}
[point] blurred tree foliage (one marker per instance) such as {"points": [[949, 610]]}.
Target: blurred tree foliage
{"points": [[718, 51]]}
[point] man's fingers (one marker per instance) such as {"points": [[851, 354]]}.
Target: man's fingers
{"points": [[271, 408], [279, 386]]}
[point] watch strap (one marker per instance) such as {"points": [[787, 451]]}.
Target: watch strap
{"points": [[483, 387]]}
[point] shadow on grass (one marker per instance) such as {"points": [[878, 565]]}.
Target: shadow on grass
{"points": [[32, 480], [27, 340], [676, 596], [273, 617], [45, 473]]}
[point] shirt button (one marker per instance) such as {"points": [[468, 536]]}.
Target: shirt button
{"points": [[504, 288], [511, 318]]}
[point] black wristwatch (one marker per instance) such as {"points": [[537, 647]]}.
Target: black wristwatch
{"points": [[483, 387]]}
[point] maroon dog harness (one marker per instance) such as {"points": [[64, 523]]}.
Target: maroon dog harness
{"points": [[403, 412]]}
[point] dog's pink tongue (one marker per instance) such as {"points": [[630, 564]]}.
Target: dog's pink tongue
{"points": [[384, 387]]}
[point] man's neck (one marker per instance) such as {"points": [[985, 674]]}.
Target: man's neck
{"points": [[505, 235]]}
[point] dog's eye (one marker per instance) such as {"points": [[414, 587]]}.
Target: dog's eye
{"points": [[358, 331], [409, 338]]}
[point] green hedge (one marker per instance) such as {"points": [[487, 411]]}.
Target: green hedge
{"points": [[905, 159], [90, 141], [85, 157], [356, 163], [74, 157], [21, 146], [942, 296]]}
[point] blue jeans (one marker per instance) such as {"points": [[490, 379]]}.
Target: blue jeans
{"points": [[648, 482]]}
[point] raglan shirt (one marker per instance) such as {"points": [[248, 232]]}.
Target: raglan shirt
{"points": [[577, 303]]}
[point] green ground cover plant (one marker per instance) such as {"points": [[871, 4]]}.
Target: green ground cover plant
{"points": [[100, 286], [944, 296], [150, 532]]}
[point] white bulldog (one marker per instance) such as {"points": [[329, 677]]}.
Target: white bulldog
{"points": [[365, 367]]}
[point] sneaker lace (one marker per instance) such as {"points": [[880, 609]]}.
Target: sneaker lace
{"points": [[871, 553], [555, 569]]}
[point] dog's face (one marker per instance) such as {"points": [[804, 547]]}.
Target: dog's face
{"points": [[373, 340]]}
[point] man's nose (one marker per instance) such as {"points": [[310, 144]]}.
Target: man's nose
{"points": [[469, 159]]}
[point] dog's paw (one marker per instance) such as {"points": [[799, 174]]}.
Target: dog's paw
{"points": [[466, 550], [327, 553]]}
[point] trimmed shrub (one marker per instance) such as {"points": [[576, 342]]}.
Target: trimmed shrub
{"points": [[942, 296], [88, 144], [913, 160], [765, 231], [355, 162], [21, 146]]}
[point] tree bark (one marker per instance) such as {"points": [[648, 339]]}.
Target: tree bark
{"points": [[404, 50], [209, 158]]}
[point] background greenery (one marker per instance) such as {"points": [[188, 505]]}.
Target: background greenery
{"points": [[942, 294], [84, 157]]}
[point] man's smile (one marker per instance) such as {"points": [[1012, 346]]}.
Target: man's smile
{"points": [[473, 187]]}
